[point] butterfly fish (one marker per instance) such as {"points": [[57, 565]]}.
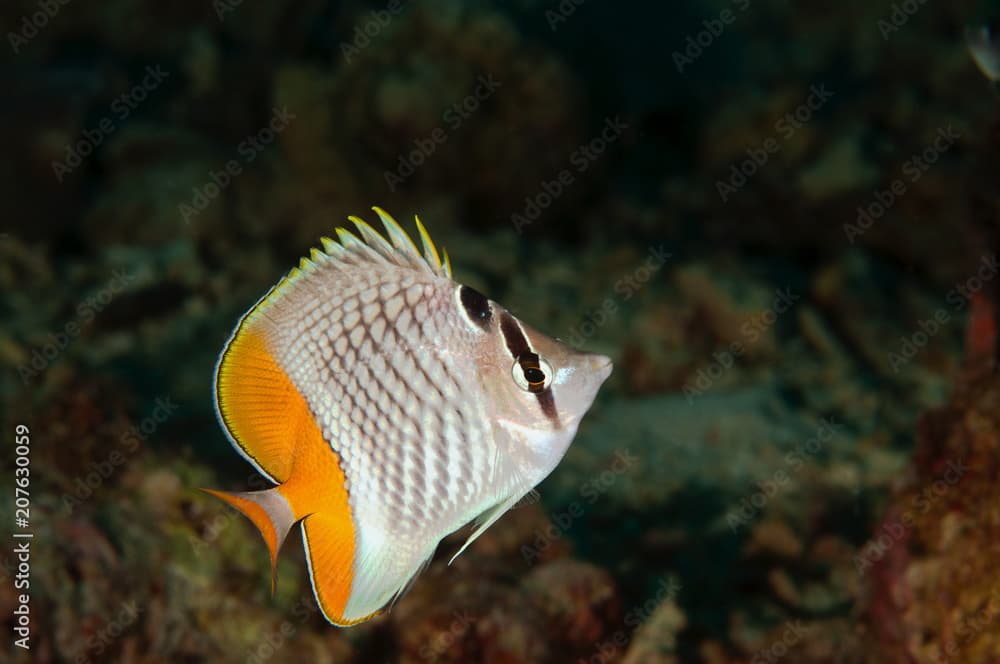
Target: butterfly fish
{"points": [[390, 406]]}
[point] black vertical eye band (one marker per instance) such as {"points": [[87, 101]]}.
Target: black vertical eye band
{"points": [[512, 336], [532, 371], [548, 406], [517, 346]]}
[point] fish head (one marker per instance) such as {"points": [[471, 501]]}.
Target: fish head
{"points": [[570, 379], [537, 387]]}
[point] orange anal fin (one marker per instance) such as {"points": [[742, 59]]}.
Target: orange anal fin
{"points": [[316, 492], [272, 423], [329, 545]]}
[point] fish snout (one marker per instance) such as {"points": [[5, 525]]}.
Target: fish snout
{"points": [[601, 365]]}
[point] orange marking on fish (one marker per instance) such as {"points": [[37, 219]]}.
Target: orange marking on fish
{"points": [[271, 421], [255, 396], [317, 491]]}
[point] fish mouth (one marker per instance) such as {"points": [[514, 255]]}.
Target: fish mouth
{"points": [[601, 365]]}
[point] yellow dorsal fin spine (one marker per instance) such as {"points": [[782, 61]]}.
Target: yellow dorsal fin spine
{"points": [[400, 239], [430, 251], [317, 256], [447, 262]]}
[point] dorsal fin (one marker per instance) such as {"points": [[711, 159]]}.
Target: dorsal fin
{"points": [[372, 248], [396, 249]]}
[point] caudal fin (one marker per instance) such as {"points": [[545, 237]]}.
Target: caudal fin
{"points": [[269, 511]]}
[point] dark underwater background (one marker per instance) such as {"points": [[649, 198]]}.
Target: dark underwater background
{"points": [[779, 219]]}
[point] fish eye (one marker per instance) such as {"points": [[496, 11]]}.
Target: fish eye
{"points": [[532, 373]]}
